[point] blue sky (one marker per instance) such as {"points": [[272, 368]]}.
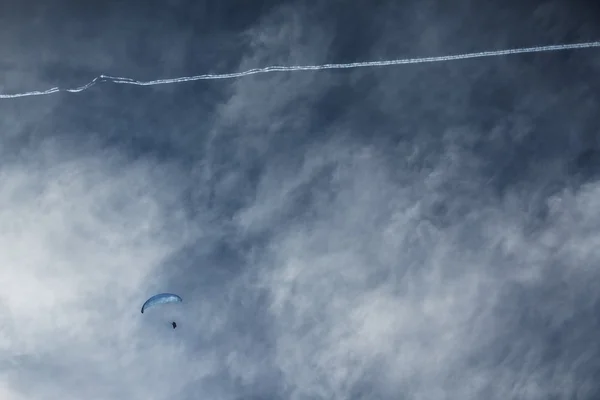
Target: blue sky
{"points": [[415, 232]]}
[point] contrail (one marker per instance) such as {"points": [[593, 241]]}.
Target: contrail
{"points": [[278, 68]]}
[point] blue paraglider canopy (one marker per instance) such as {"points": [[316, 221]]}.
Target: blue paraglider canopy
{"points": [[161, 298]]}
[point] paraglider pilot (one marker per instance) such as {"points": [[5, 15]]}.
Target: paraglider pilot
{"points": [[174, 324]]}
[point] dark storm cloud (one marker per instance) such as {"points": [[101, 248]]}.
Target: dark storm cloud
{"points": [[420, 232]]}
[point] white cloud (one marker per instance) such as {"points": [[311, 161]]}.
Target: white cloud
{"points": [[370, 293], [366, 272], [83, 243]]}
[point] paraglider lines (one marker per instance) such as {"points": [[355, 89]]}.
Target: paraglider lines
{"points": [[292, 68]]}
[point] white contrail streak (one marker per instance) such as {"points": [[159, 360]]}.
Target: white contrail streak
{"points": [[277, 68]]}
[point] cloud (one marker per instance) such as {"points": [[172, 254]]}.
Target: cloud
{"points": [[414, 232], [83, 238], [368, 295]]}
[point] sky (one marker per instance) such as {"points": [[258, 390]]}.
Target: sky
{"points": [[426, 231]]}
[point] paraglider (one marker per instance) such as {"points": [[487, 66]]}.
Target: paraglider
{"points": [[161, 298]]}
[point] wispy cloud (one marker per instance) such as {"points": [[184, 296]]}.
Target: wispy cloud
{"points": [[410, 233]]}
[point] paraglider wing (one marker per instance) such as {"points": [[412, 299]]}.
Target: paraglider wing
{"points": [[161, 298]]}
